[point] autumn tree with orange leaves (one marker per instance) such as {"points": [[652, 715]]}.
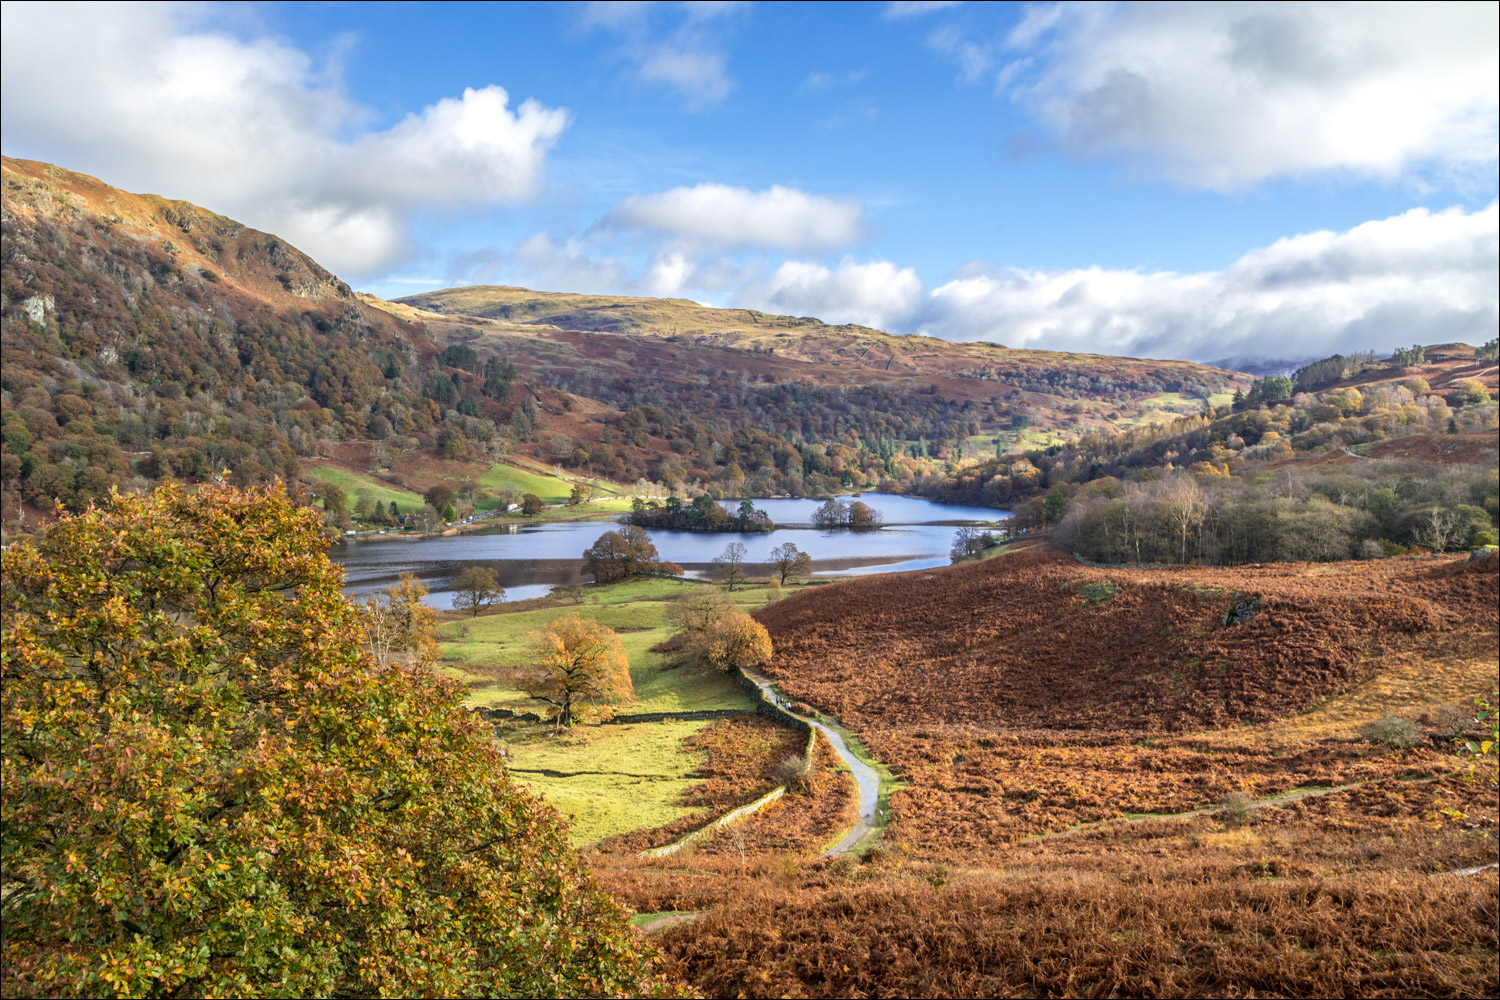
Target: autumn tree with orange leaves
{"points": [[211, 788], [577, 663]]}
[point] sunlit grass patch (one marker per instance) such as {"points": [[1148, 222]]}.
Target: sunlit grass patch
{"points": [[610, 779], [354, 484]]}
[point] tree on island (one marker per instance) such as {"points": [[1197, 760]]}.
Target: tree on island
{"points": [[858, 515], [577, 663], [211, 789], [863, 517], [788, 562], [475, 589], [703, 514]]}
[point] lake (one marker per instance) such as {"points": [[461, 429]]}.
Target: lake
{"points": [[529, 560]]}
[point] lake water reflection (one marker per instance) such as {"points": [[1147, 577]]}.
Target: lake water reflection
{"points": [[529, 560]]}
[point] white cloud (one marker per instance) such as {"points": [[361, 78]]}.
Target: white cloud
{"points": [[669, 274], [1417, 277], [540, 262], [1223, 96], [687, 58], [579, 265], [253, 129], [738, 217], [974, 58], [875, 294], [1421, 276], [698, 75]]}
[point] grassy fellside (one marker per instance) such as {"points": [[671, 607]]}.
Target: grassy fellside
{"points": [[550, 487], [487, 652], [353, 484]]}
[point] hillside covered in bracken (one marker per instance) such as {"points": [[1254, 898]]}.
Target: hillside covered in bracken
{"points": [[1033, 640], [750, 500], [1186, 781], [149, 340]]}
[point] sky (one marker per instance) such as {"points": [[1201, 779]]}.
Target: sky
{"points": [[1224, 182]]}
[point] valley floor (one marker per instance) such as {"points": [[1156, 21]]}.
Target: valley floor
{"points": [[1227, 831]]}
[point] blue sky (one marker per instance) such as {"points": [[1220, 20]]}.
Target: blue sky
{"points": [[1214, 181]]}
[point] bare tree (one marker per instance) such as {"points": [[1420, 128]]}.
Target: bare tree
{"points": [[1185, 505], [1436, 529], [729, 565]]}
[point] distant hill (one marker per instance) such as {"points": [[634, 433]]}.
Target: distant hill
{"points": [[147, 338], [874, 353]]}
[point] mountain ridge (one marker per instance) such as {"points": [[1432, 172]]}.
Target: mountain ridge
{"points": [[148, 339]]}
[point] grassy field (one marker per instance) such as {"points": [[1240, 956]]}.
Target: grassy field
{"points": [[607, 779], [552, 488], [353, 484], [610, 779], [486, 656]]}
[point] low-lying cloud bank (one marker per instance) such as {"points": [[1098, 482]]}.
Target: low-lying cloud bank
{"points": [[1417, 277]]}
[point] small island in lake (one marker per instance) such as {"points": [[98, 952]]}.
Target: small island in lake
{"points": [[703, 514]]}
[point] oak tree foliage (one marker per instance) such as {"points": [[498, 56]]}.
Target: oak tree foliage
{"points": [[788, 563], [623, 554], [713, 631], [577, 664], [211, 788]]}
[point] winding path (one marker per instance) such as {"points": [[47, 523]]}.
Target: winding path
{"points": [[866, 778]]}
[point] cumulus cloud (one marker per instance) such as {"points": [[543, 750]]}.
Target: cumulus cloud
{"points": [[581, 265], [671, 44], [1417, 277], [1223, 96], [739, 217], [876, 294], [254, 129], [1420, 276]]}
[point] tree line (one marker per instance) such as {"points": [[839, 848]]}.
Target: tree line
{"points": [[1368, 511]]}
